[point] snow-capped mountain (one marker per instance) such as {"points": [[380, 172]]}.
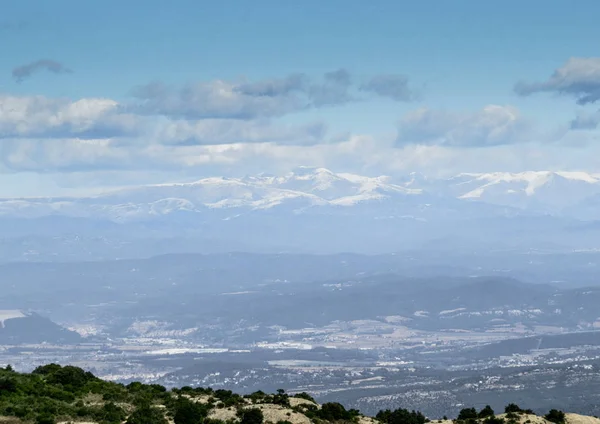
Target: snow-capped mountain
{"points": [[318, 190], [296, 191], [542, 191], [311, 210]]}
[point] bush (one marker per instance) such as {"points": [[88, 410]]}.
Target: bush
{"points": [[306, 396], [71, 378], [223, 394], [333, 411], [8, 385], [467, 414], [45, 419], [281, 398], [256, 397], [147, 415], [58, 394], [512, 416], [555, 416], [111, 413], [47, 369], [251, 416], [512, 407], [401, 416], [486, 412], [188, 412]]}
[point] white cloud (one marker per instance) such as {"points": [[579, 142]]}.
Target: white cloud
{"points": [[227, 131], [491, 126], [273, 97], [578, 77], [39, 116]]}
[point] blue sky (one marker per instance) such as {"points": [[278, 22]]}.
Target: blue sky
{"points": [[97, 94]]}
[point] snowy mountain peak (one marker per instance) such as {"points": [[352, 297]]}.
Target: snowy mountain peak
{"points": [[547, 191], [310, 189], [530, 176]]}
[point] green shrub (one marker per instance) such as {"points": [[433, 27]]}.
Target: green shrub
{"points": [[147, 415], [188, 412], [555, 416], [333, 411], [71, 378], [7, 385], [512, 408], [45, 419], [306, 396], [401, 416], [112, 414], [281, 398], [486, 412], [251, 416], [467, 414], [46, 369]]}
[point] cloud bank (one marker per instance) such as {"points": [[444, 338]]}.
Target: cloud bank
{"points": [[238, 125], [493, 125]]}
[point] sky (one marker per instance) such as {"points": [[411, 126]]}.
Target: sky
{"points": [[96, 95]]}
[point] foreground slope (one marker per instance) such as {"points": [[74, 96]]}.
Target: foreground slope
{"points": [[52, 394]]}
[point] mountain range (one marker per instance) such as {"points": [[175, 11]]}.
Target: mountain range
{"points": [[308, 189], [318, 210]]}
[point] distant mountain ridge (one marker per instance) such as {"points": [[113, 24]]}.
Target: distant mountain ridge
{"points": [[309, 189], [17, 327], [310, 210]]}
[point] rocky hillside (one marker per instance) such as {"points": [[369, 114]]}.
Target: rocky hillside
{"points": [[54, 394]]}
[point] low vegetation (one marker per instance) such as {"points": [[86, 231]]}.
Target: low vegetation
{"points": [[53, 394]]}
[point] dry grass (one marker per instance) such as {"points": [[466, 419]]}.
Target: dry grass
{"points": [[367, 420], [76, 422], [299, 401], [274, 413], [198, 399], [10, 420], [581, 419], [92, 399], [528, 418], [223, 414]]}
